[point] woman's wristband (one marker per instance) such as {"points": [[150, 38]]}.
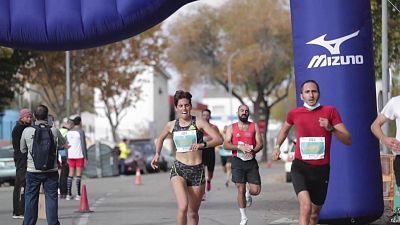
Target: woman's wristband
{"points": [[277, 146]]}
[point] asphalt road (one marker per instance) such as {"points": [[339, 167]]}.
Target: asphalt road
{"points": [[118, 201]]}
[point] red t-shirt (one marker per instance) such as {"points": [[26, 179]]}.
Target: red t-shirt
{"points": [[306, 123], [248, 136]]}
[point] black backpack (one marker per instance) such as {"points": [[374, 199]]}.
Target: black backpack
{"points": [[44, 152]]}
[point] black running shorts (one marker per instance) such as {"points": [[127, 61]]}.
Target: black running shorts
{"points": [[245, 171], [225, 160], [208, 155], [314, 179], [193, 175]]}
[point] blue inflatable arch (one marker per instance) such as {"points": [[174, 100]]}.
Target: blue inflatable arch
{"points": [[52, 25], [332, 43]]}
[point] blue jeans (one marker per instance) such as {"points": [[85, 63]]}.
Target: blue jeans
{"points": [[50, 185], [122, 166]]}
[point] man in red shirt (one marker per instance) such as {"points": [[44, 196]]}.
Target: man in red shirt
{"points": [[315, 125], [244, 140]]}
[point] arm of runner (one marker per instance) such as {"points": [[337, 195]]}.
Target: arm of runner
{"points": [[216, 138], [159, 143], [283, 133], [228, 140], [259, 140], [376, 129], [340, 131]]}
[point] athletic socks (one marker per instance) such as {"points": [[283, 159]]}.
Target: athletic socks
{"points": [[78, 185], [243, 217], [69, 185]]}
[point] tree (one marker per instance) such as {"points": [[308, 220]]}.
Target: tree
{"points": [[109, 69], [246, 35], [44, 74], [10, 81], [393, 34]]}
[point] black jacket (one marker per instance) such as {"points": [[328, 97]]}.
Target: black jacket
{"points": [[16, 138]]}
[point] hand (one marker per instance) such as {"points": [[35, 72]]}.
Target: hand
{"points": [[245, 148], [391, 143], [275, 154], [196, 147], [324, 122], [154, 161]]}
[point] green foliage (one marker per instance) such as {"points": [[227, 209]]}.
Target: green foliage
{"points": [[10, 82], [393, 34]]}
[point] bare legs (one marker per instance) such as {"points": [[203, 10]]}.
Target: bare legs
{"points": [[309, 212], [188, 200]]}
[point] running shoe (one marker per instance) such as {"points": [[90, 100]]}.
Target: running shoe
{"points": [[78, 197], [18, 217], [208, 185], [243, 221], [69, 197]]}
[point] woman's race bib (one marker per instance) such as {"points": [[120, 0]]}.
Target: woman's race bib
{"points": [[312, 148], [184, 140]]}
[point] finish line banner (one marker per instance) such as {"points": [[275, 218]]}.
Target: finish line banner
{"points": [[332, 41]]}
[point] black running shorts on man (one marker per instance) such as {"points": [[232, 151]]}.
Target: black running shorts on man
{"points": [[245, 171], [311, 178], [208, 156], [193, 175]]}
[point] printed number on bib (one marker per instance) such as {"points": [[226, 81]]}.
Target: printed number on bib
{"points": [[242, 156], [184, 140], [312, 148]]}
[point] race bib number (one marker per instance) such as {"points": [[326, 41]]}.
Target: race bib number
{"points": [[312, 148], [242, 156], [184, 140]]}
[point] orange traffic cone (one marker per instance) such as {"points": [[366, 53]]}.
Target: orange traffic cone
{"points": [[84, 204], [138, 177]]}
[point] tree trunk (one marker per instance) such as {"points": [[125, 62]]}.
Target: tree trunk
{"points": [[264, 135]]}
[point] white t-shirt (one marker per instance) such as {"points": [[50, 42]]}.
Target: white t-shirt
{"points": [[75, 151], [392, 111]]}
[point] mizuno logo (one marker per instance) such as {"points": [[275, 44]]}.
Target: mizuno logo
{"points": [[333, 46]]}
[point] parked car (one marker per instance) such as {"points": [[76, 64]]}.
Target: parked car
{"points": [[147, 148], [287, 155], [7, 165], [135, 160]]}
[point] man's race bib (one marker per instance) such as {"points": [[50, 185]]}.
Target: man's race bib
{"points": [[312, 148], [184, 140], [242, 156]]}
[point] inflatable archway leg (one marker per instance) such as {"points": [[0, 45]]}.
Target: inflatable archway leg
{"points": [[332, 42]]}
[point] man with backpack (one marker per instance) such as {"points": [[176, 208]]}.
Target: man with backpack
{"points": [[41, 141]]}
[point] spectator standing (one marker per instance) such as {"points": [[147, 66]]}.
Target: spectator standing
{"points": [[62, 160], [77, 156], [35, 177], [20, 160], [124, 152]]}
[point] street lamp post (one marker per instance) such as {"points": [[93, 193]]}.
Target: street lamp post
{"points": [[230, 81], [68, 82]]}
